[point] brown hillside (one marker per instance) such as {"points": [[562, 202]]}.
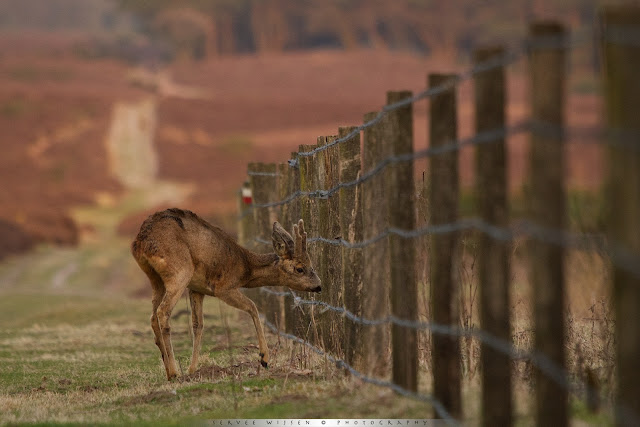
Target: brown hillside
{"points": [[55, 111]]}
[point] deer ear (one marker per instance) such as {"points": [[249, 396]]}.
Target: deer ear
{"points": [[282, 242]]}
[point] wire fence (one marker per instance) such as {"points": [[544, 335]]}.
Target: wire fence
{"points": [[621, 253]]}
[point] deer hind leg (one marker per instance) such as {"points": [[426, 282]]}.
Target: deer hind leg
{"points": [[196, 299], [157, 288], [175, 283], [237, 299], [158, 294]]}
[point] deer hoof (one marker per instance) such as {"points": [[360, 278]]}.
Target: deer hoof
{"points": [[262, 362]]}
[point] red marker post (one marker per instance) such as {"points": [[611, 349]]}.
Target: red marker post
{"points": [[247, 195]]}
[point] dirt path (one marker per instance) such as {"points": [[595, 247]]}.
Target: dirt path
{"points": [[133, 159]]}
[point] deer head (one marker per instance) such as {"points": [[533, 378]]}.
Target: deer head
{"points": [[294, 263]]}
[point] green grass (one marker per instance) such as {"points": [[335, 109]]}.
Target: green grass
{"points": [[91, 358], [88, 358]]}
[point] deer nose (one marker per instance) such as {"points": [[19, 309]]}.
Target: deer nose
{"points": [[316, 289]]}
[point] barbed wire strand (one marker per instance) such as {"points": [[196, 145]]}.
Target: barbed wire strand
{"points": [[597, 242], [253, 173], [427, 398]]}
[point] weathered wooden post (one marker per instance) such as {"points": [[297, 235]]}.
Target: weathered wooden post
{"points": [[376, 275], [621, 25], [265, 191], [404, 289], [493, 255], [262, 188], [547, 209], [276, 312], [293, 314], [330, 267], [443, 199], [308, 178], [350, 226]]}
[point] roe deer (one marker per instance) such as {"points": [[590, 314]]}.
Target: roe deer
{"points": [[178, 250]]}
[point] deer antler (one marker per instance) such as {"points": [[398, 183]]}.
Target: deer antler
{"points": [[301, 239]]}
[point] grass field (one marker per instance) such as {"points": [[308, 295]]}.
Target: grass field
{"points": [[76, 347], [79, 353]]}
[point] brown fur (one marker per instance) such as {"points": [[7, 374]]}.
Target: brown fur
{"points": [[178, 250]]}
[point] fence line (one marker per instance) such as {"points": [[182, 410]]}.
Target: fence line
{"points": [[552, 41]]}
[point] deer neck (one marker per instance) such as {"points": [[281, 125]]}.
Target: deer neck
{"points": [[264, 270]]}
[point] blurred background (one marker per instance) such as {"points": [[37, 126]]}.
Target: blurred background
{"points": [[101, 96]]}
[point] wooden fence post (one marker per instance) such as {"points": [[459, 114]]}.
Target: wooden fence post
{"points": [[282, 192], [622, 94], [547, 206], [493, 255], [293, 314], [404, 288], [350, 226], [376, 274], [312, 331], [283, 171], [263, 187], [331, 262], [254, 294], [443, 199]]}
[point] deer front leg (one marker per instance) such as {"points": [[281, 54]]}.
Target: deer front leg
{"points": [[196, 299], [237, 299]]}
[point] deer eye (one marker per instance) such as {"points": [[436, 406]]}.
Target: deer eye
{"points": [[300, 270]]}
